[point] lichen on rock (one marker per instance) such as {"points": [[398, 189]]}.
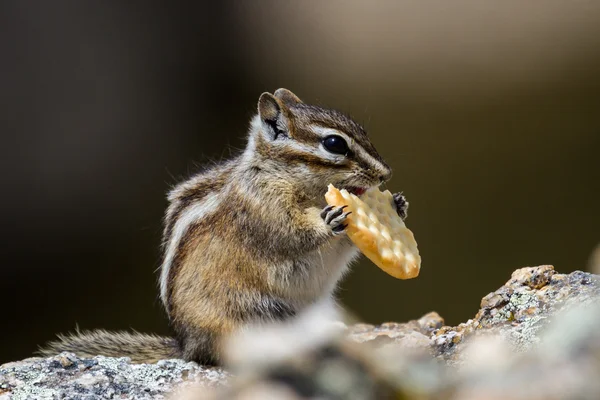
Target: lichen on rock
{"points": [[67, 376], [517, 311]]}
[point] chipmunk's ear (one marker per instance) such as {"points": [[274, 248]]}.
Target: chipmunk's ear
{"points": [[270, 110], [287, 96]]}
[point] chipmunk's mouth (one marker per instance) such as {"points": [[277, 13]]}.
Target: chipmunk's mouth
{"points": [[357, 191]]}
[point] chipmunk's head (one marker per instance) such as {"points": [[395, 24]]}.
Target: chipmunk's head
{"points": [[317, 145]]}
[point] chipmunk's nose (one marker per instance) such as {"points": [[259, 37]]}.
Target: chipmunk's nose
{"points": [[386, 175]]}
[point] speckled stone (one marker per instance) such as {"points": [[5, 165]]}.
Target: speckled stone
{"points": [[516, 311], [66, 376]]}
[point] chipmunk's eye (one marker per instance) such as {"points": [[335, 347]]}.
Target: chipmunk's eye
{"points": [[335, 144]]}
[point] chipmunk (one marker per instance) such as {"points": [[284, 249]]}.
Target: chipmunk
{"points": [[251, 239]]}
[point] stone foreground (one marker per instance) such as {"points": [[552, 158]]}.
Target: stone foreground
{"points": [[536, 337], [69, 377]]}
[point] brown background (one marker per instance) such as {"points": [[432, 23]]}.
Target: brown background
{"points": [[488, 113]]}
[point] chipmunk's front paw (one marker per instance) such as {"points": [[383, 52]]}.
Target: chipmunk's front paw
{"points": [[335, 218], [401, 205]]}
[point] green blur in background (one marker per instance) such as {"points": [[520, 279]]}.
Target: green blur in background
{"points": [[488, 114]]}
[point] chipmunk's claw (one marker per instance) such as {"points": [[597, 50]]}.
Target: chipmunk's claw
{"points": [[326, 211], [335, 218], [401, 205]]}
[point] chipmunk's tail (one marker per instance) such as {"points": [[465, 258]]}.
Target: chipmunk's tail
{"points": [[140, 347]]}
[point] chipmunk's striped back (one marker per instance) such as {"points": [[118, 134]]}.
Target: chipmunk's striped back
{"points": [[190, 203]]}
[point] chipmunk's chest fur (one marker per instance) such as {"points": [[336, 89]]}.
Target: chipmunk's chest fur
{"points": [[313, 277]]}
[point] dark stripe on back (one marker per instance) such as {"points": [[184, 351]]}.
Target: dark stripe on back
{"points": [[212, 183], [185, 245]]}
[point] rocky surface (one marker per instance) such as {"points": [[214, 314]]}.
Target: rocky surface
{"points": [[516, 312], [536, 337], [69, 377]]}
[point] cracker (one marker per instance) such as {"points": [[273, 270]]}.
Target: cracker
{"points": [[379, 233]]}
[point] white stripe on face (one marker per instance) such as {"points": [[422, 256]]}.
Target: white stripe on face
{"points": [[355, 147], [187, 218]]}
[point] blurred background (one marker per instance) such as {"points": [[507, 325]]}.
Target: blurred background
{"points": [[489, 114]]}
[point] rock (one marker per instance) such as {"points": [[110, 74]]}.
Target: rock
{"points": [[536, 337], [410, 334], [66, 376], [564, 363], [516, 311]]}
